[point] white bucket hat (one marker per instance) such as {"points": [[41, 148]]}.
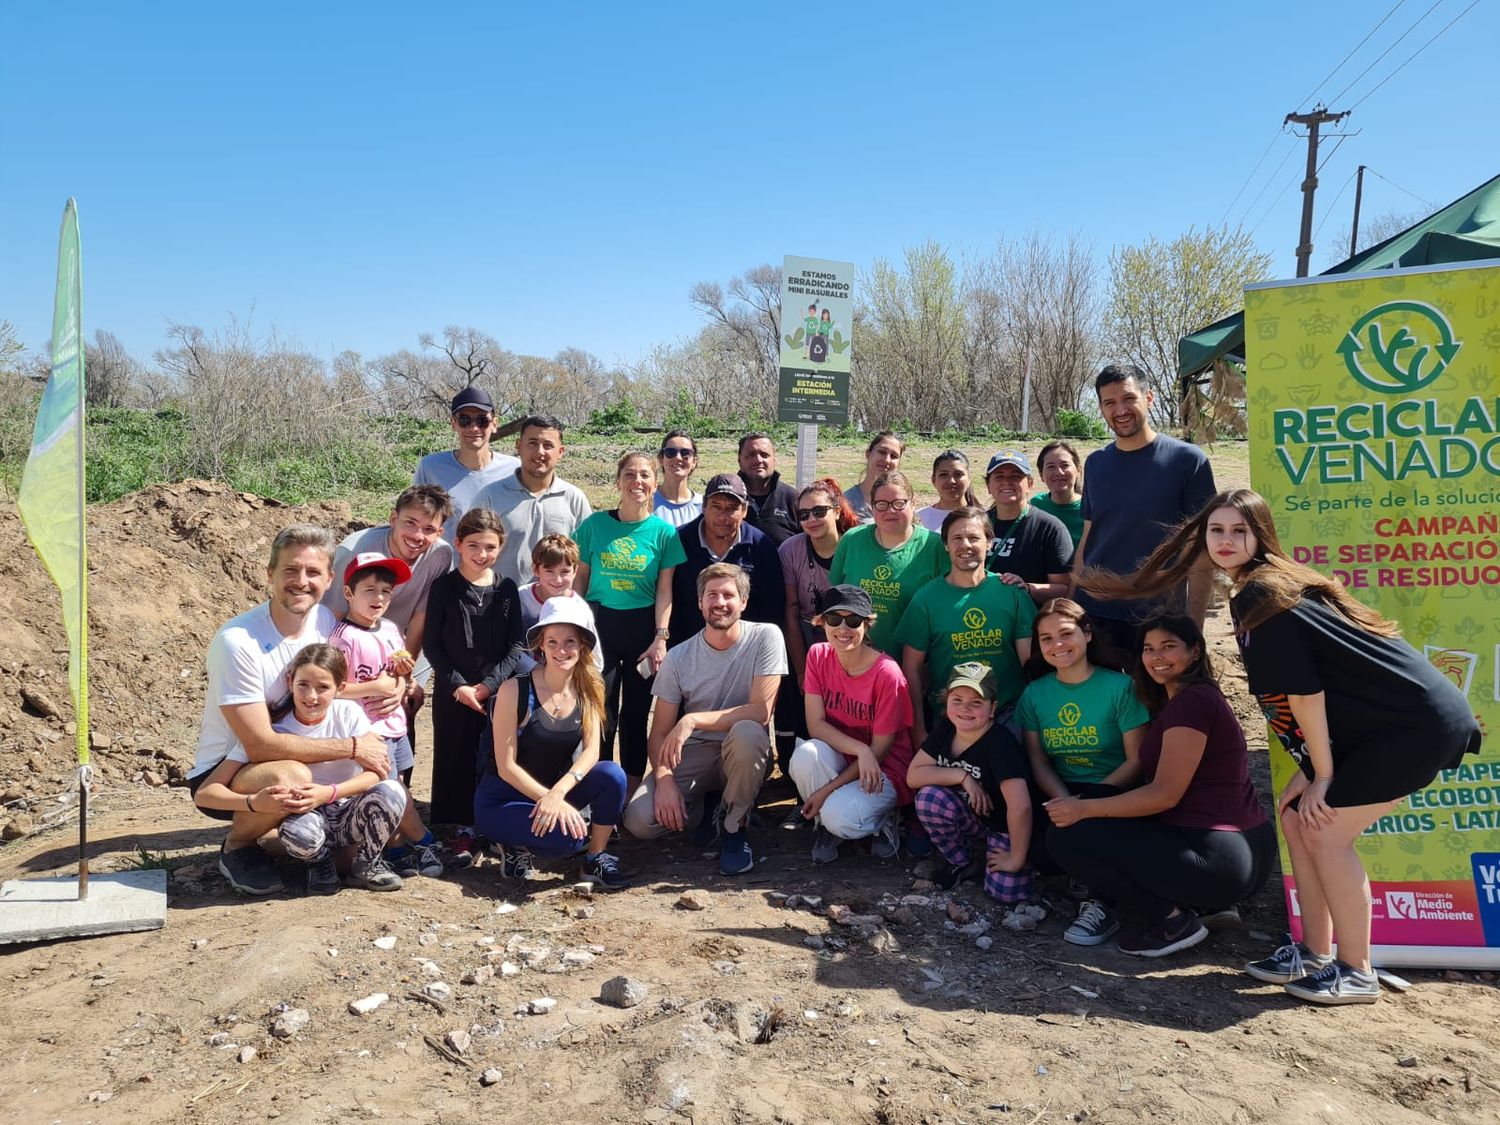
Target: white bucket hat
{"points": [[564, 611]]}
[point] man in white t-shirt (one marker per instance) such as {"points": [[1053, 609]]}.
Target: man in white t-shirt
{"points": [[714, 696], [247, 662]]}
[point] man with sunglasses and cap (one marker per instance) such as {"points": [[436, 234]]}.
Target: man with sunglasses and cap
{"points": [[462, 472], [723, 534], [1031, 548]]}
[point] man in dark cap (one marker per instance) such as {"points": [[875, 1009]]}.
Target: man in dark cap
{"points": [[463, 471], [722, 534]]}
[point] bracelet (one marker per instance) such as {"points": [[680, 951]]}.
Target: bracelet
{"points": [[249, 801], [353, 746], [335, 796]]}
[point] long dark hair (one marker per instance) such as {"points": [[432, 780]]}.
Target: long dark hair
{"points": [[958, 455], [1099, 652], [1186, 630], [1279, 581]]}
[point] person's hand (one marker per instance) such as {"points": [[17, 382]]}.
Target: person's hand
{"points": [[814, 804], [1314, 809], [1065, 811], [306, 797], [1013, 579], [1003, 860], [667, 805], [370, 753], [871, 780], [416, 695], [978, 799], [656, 652], [671, 747], [400, 664], [553, 811], [390, 691], [1294, 789], [468, 695], [269, 800]]}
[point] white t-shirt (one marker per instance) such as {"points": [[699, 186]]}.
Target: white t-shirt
{"points": [[247, 663], [345, 719]]}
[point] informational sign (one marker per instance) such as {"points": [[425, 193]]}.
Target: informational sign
{"points": [[1374, 412], [817, 341]]}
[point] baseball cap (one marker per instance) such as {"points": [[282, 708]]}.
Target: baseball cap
{"points": [[726, 484], [1008, 457], [846, 599], [472, 396], [368, 560], [975, 675], [564, 611]]}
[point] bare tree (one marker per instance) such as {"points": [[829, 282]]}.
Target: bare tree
{"points": [[426, 381], [748, 314], [112, 373]]}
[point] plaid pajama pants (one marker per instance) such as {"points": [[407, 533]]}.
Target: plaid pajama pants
{"points": [[958, 833]]}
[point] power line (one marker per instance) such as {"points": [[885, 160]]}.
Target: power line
{"points": [[1332, 206], [1417, 52], [1398, 187], [1271, 179], [1394, 44], [1352, 53], [1280, 196], [1342, 138], [1274, 138]]}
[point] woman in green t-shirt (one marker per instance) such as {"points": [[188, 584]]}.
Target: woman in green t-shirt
{"points": [[1082, 727], [626, 559], [1062, 473]]}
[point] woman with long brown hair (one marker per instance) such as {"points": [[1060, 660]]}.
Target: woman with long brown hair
{"points": [[1366, 718]]}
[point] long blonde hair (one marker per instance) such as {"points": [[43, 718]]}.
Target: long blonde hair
{"points": [[586, 682], [1280, 581]]}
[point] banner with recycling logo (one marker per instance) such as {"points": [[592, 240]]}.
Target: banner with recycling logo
{"points": [[1374, 413]]}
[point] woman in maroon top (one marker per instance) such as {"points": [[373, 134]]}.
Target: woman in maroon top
{"points": [[1192, 837]]}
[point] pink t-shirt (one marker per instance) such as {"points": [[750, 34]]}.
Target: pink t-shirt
{"points": [[874, 702], [368, 651]]}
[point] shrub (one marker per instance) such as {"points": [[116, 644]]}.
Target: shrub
{"points": [[1080, 424]]}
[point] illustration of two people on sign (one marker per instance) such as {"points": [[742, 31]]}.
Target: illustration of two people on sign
{"points": [[815, 333]]}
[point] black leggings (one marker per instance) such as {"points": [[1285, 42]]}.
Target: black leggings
{"points": [[1146, 867], [456, 731], [623, 635]]}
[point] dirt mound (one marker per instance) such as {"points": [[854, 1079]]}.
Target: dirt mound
{"points": [[167, 566]]}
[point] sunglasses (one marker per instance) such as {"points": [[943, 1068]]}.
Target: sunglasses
{"points": [[841, 620], [890, 505], [816, 512], [676, 452], [466, 420]]}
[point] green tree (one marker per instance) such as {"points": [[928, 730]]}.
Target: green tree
{"points": [[1161, 291]]}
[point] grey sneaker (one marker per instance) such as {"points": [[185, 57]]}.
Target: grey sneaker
{"points": [[886, 843], [1336, 983], [1290, 962], [323, 877], [374, 875], [250, 871], [1095, 924], [825, 847]]}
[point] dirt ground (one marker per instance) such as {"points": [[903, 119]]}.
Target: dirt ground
{"points": [[757, 1007]]}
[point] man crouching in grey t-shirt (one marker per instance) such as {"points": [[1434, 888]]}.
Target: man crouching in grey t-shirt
{"points": [[714, 696]]}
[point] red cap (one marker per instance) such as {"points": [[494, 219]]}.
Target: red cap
{"points": [[368, 560]]}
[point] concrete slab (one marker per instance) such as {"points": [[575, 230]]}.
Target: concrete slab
{"points": [[47, 909]]}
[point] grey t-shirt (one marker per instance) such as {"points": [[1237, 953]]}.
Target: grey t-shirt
{"points": [[407, 598], [698, 677], [461, 484]]}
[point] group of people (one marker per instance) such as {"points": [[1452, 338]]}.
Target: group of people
{"points": [[1022, 687]]}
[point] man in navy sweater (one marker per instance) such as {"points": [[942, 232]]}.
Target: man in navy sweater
{"points": [[721, 534]]}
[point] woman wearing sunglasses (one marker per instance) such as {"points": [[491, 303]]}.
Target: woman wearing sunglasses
{"points": [[673, 500], [805, 558]]}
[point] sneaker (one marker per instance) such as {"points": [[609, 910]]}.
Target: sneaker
{"points": [[1167, 936], [1291, 962], [1336, 983], [403, 862], [374, 875], [603, 871], [517, 863], [323, 877], [1095, 924], [250, 871], [735, 856], [948, 876], [1221, 919], [886, 843], [461, 849], [825, 848], [711, 827], [428, 859]]}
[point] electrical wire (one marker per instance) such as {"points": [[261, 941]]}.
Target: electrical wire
{"points": [[1351, 54], [1271, 179], [1415, 53], [1398, 187], [1394, 44], [1277, 136], [1280, 196], [1335, 203]]}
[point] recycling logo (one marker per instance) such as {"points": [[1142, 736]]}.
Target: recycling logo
{"points": [[1069, 714], [883, 572], [624, 545], [1399, 347], [974, 618]]}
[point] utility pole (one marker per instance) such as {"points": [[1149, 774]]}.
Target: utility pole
{"points": [[1359, 189], [1319, 116]]}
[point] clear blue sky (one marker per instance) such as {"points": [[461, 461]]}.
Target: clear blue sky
{"points": [[562, 174]]}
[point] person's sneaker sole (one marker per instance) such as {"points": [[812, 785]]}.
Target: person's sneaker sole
{"points": [[1330, 999], [1087, 940], [1269, 977], [1187, 941]]}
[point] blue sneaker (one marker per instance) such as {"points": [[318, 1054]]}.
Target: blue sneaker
{"points": [[735, 856]]}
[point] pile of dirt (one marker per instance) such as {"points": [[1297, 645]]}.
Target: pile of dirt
{"points": [[167, 567]]}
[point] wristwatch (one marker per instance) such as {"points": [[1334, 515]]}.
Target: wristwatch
{"points": [[662, 634], [575, 775]]}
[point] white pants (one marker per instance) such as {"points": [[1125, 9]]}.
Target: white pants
{"points": [[849, 813]]}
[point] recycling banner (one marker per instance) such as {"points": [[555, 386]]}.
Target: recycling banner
{"points": [[1374, 414], [817, 341]]}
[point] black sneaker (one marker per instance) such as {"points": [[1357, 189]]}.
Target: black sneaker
{"points": [[517, 863], [1164, 937], [1095, 924], [948, 876], [603, 871], [323, 877], [1336, 983], [250, 871], [403, 861], [1290, 962]]}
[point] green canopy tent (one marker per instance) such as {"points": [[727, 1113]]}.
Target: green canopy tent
{"points": [[1466, 230]]}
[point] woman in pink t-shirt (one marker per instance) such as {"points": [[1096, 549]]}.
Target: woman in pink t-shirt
{"points": [[1192, 837], [851, 772]]}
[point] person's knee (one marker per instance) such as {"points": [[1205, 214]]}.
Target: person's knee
{"points": [[610, 777], [747, 738], [254, 778], [802, 763], [937, 802], [639, 818], [304, 836]]}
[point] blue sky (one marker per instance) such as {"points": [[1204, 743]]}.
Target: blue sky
{"points": [[562, 174]]}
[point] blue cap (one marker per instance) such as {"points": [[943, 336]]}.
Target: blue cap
{"points": [[1008, 457]]}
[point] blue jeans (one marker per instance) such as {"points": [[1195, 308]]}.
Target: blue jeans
{"points": [[503, 814]]}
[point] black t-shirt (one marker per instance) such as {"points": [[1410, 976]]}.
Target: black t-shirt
{"points": [[1033, 545], [996, 757], [1378, 691]]}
